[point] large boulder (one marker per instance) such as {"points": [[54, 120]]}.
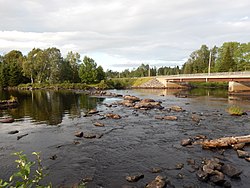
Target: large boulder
{"points": [[131, 98]]}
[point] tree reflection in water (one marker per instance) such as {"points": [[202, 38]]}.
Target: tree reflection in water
{"points": [[47, 106]]}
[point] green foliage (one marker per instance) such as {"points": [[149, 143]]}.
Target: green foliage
{"points": [[121, 83], [23, 178], [235, 110], [169, 70], [69, 68], [231, 56], [11, 69], [64, 85], [104, 85], [227, 62], [199, 60], [87, 71]]}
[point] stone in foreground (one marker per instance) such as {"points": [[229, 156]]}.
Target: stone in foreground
{"points": [[158, 182]]}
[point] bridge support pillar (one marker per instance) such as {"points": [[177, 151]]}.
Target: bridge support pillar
{"points": [[238, 87]]}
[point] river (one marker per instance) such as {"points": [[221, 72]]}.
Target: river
{"points": [[135, 143]]}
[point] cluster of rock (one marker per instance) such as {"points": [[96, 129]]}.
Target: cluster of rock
{"points": [[137, 103], [154, 83], [158, 182], [92, 112], [102, 93], [213, 170]]}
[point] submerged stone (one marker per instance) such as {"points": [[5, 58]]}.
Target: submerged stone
{"points": [[134, 178], [231, 171], [13, 132], [242, 154]]}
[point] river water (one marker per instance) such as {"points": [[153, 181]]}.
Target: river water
{"points": [[134, 144]]}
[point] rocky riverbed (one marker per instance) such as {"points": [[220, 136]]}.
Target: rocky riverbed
{"points": [[135, 141]]}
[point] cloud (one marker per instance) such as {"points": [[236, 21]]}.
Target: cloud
{"points": [[126, 31]]}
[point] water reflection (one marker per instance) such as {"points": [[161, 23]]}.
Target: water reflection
{"points": [[223, 93], [49, 106]]}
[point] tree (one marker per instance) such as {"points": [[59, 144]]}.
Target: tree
{"points": [[112, 74], [54, 61], [228, 56], [12, 69], [198, 60], [227, 62], [30, 65], [100, 74], [70, 67], [87, 71]]}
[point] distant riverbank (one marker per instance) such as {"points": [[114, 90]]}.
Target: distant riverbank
{"points": [[115, 83]]}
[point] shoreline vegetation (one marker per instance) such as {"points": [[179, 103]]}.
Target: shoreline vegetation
{"points": [[117, 83]]}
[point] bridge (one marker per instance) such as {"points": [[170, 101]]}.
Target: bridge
{"points": [[238, 81]]}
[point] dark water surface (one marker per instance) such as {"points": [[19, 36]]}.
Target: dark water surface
{"points": [[135, 143]]}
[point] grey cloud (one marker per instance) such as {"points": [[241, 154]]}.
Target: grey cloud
{"points": [[135, 30]]}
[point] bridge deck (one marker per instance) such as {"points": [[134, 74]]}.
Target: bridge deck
{"points": [[213, 77]]}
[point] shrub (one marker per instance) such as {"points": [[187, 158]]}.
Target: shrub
{"points": [[235, 110], [23, 178]]}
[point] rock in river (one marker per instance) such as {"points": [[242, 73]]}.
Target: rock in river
{"points": [[131, 98], [217, 177], [186, 142], [113, 116], [79, 134], [171, 118], [158, 182], [231, 170], [98, 124], [134, 178], [93, 111], [176, 108], [242, 154], [89, 135], [7, 120], [13, 132]]}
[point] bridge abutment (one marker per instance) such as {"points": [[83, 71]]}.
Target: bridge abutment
{"points": [[238, 87]]}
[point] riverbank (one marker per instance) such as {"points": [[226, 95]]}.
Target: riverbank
{"points": [[118, 83]]}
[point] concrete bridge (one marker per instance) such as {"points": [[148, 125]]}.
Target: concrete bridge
{"points": [[238, 81]]}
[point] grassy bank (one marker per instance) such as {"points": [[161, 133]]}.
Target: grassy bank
{"points": [[116, 83]]}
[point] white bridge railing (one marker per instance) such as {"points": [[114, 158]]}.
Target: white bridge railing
{"points": [[217, 74]]}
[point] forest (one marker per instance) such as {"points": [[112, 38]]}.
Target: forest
{"points": [[48, 65]]}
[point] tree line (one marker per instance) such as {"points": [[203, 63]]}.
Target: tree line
{"points": [[230, 57], [48, 65]]}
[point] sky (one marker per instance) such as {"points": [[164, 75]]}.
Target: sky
{"points": [[122, 34]]}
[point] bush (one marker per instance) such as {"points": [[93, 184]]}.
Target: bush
{"points": [[23, 178], [235, 110]]}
